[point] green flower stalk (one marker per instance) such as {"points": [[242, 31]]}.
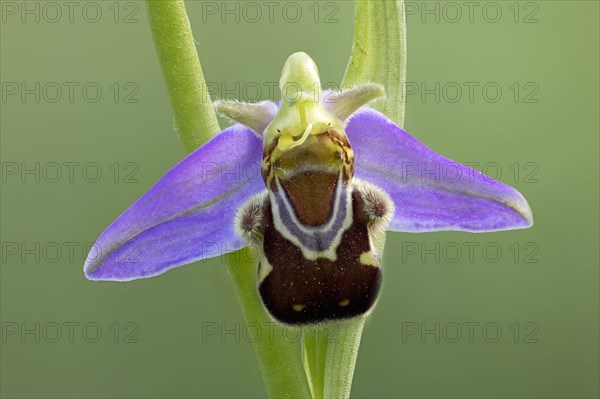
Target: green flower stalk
{"points": [[193, 113]]}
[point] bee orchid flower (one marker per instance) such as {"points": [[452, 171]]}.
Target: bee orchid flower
{"points": [[311, 182]]}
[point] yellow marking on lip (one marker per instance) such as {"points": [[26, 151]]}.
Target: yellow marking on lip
{"points": [[368, 259], [265, 269], [345, 302], [298, 307]]}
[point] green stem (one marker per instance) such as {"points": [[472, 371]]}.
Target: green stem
{"points": [[193, 113], [195, 122]]}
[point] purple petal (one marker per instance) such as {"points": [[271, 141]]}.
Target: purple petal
{"points": [[430, 192], [187, 216]]}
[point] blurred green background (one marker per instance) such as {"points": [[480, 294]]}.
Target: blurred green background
{"points": [[524, 302]]}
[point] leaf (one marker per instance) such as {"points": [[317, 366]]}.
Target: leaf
{"points": [[379, 53]]}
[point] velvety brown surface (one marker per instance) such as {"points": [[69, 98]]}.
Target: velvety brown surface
{"points": [[319, 286]]}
